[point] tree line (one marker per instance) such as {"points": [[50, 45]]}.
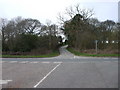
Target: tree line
{"points": [[28, 35], [82, 30]]}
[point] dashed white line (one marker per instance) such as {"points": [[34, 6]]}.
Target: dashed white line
{"points": [[84, 62], [106, 58], [116, 61], [45, 62], [24, 62], [46, 76], [4, 81], [110, 58], [4, 61], [74, 56], [107, 61], [33, 62], [13, 62], [114, 58], [57, 62]]}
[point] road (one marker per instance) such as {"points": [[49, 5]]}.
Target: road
{"points": [[64, 71]]}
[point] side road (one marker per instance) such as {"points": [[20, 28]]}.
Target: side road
{"points": [[65, 54]]}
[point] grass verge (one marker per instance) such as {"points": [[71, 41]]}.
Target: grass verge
{"points": [[32, 56], [92, 55]]}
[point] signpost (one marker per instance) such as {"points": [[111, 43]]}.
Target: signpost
{"points": [[96, 46]]}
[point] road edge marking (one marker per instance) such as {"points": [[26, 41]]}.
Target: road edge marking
{"points": [[13, 61], [57, 62], [45, 62], [34, 62], [23, 62], [46, 76], [5, 81]]}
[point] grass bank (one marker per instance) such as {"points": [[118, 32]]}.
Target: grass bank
{"points": [[91, 55], [32, 56]]}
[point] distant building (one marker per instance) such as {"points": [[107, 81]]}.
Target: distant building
{"points": [[119, 11]]}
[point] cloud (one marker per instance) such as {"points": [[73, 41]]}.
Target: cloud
{"points": [[39, 9]]}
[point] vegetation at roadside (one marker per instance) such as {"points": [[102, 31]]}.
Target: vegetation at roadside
{"points": [[83, 31], [29, 37], [93, 55], [32, 56]]}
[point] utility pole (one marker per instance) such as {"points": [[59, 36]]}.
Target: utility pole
{"points": [[96, 46]]}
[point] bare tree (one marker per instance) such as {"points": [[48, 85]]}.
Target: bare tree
{"points": [[52, 31], [71, 11], [74, 23], [30, 26], [3, 23]]}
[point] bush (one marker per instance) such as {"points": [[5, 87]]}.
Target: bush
{"points": [[26, 42]]}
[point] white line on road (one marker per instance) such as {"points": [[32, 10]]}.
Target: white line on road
{"points": [[13, 62], [107, 61], [106, 58], [33, 62], [24, 62], [84, 62], [114, 58], [57, 62], [4, 61], [45, 62], [110, 58], [4, 81], [74, 57], [46, 76], [115, 61]]}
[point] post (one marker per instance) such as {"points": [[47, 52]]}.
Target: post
{"points": [[96, 46]]}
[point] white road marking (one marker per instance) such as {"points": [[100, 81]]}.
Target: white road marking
{"points": [[116, 61], [98, 62], [107, 61], [46, 76], [74, 57], [110, 58], [114, 58], [106, 58], [84, 62], [13, 62], [4, 81], [57, 62], [33, 62], [24, 62], [4, 61], [45, 62]]}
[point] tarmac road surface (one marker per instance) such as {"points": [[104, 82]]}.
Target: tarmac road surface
{"points": [[64, 71]]}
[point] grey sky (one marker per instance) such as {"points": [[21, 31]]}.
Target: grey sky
{"points": [[119, 12], [49, 9]]}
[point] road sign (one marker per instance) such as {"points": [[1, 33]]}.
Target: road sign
{"points": [[96, 46]]}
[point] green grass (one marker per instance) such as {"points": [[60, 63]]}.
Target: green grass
{"points": [[92, 55], [32, 56]]}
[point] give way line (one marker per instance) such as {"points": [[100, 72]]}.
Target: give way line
{"points": [[46, 76]]}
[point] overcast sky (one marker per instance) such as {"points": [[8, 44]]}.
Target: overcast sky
{"points": [[49, 9]]}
